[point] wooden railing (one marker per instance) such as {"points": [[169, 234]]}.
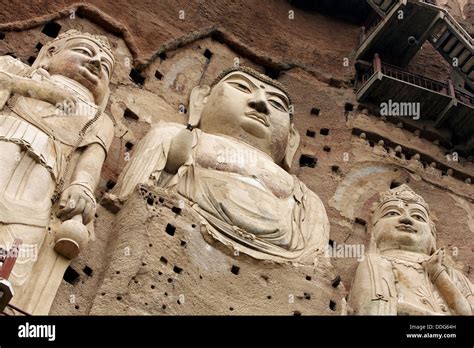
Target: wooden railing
{"points": [[417, 80], [464, 97]]}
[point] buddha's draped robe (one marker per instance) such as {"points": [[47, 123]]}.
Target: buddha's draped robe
{"points": [[238, 210]]}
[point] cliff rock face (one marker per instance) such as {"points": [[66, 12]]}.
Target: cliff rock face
{"points": [[164, 49]]}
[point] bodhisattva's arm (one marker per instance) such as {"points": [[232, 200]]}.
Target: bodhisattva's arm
{"points": [[448, 289], [78, 197], [452, 295], [35, 89]]}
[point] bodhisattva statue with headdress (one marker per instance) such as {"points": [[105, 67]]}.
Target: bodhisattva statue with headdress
{"points": [[403, 273], [231, 164], [54, 137]]}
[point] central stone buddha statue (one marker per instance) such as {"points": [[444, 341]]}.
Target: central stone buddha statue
{"points": [[231, 165]]}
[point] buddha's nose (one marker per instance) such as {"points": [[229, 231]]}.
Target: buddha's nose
{"points": [[406, 220], [95, 61], [259, 105]]}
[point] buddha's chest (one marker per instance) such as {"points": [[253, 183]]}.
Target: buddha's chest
{"points": [[223, 154]]}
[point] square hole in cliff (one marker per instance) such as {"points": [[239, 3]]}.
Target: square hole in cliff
{"points": [[158, 75], [208, 54], [348, 107], [315, 111], [129, 114], [332, 305], [129, 145], [176, 210], [308, 161], [110, 184], [394, 184], [163, 56], [272, 73], [235, 269], [137, 77], [71, 276], [2, 35], [31, 60], [88, 271], [310, 133], [327, 149], [51, 29], [324, 131], [38, 46], [170, 229]]}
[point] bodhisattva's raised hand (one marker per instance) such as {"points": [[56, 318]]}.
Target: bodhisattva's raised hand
{"points": [[435, 264], [439, 276]]}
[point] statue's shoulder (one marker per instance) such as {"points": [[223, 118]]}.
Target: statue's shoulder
{"points": [[301, 190], [166, 128], [159, 134], [12, 65]]}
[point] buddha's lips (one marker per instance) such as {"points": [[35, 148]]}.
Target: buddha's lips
{"points": [[259, 117], [406, 228]]}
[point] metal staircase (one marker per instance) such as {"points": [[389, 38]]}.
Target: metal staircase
{"points": [[398, 40], [456, 46]]}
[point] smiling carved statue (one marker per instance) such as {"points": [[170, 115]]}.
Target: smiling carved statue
{"points": [[54, 137], [231, 164], [403, 273]]}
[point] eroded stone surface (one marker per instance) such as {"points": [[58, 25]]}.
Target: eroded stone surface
{"points": [[160, 263]]}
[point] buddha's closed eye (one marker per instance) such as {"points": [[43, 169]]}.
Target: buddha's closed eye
{"points": [[84, 51], [391, 213], [240, 86], [277, 105], [418, 217]]}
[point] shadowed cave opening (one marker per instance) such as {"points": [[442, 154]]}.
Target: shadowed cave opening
{"points": [[71, 276], [51, 29], [308, 161]]}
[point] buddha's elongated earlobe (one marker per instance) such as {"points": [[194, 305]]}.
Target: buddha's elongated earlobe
{"points": [[293, 144], [197, 101]]}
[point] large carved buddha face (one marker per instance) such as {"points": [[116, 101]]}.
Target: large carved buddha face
{"points": [[84, 61], [403, 225], [255, 112]]}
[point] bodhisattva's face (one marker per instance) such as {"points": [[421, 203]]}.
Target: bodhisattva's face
{"points": [[404, 226], [85, 62], [243, 107]]}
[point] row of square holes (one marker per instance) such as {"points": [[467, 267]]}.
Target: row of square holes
{"points": [[52, 30], [312, 133]]}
